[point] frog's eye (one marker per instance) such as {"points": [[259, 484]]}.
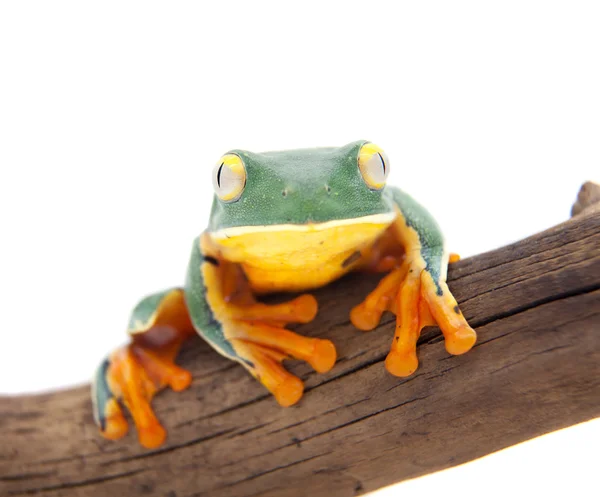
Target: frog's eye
{"points": [[229, 178], [374, 166]]}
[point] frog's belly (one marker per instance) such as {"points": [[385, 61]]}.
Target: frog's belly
{"points": [[267, 280], [301, 258]]}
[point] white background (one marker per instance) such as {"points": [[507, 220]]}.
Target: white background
{"points": [[113, 113]]}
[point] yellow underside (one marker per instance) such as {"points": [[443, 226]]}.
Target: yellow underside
{"points": [[299, 257]]}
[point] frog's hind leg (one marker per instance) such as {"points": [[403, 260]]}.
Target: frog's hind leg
{"points": [[107, 412], [134, 373]]}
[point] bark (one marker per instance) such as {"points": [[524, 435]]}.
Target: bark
{"points": [[535, 369]]}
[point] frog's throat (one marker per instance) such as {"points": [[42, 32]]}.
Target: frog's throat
{"points": [[383, 219], [293, 257]]}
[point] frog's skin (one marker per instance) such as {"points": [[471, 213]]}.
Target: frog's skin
{"points": [[285, 221]]}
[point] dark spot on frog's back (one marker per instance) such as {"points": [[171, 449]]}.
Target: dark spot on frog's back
{"points": [[456, 309], [351, 259]]}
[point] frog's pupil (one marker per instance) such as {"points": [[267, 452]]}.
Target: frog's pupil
{"points": [[219, 174], [382, 161]]}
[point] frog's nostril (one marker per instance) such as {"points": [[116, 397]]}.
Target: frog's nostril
{"points": [[284, 193], [327, 188]]}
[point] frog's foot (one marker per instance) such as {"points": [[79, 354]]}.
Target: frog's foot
{"points": [[418, 301], [133, 374], [258, 336]]}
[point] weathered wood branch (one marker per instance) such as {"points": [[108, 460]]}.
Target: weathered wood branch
{"points": [[535, 369]]}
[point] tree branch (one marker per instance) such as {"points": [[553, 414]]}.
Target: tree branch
{"points": [[535, 369]]}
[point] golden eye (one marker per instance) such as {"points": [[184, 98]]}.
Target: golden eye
{"points": [[374, 166], [229, 178]]}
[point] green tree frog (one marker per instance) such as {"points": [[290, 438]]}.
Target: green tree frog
{"points": [[285, 221]]}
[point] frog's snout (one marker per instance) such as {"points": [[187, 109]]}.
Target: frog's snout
{"points": [[315, 193], [309, 203]]}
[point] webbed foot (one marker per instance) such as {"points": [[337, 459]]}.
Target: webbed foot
{"points": [[418, 300]]}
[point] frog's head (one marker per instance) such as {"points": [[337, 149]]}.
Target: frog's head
{"points": [[298, 187], [308, 191]]}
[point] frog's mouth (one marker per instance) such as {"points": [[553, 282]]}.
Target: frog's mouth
{"points": [[360, 222], [307, 246]]}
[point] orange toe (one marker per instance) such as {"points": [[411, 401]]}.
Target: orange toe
{"points": [[364, 319], [152, 436], [289, 391], [461, 341], [400, 364], [180, 381], [306, 308], [323, 357]]}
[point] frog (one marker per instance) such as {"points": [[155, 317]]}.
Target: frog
{"points": [[285, 222]]}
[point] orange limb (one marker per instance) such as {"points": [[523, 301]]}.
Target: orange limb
{"points": [[411, 293], [115, 425], [384, 255], [402, 359], [163, 371], [129, 381], [257, 334], [366, 316], [320, 354], [256, 331], [302, 309], [265, 365], [137, 372], [458, 335]]}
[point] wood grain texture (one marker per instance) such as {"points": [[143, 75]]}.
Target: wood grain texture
{"points": [[588, 199], [535, 369]]}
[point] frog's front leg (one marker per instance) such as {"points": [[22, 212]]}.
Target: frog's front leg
{"points": [[416, 290], [225, 312]]}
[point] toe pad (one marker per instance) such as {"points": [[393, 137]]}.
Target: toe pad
{"points": [[289, 391], [401, 364]]}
